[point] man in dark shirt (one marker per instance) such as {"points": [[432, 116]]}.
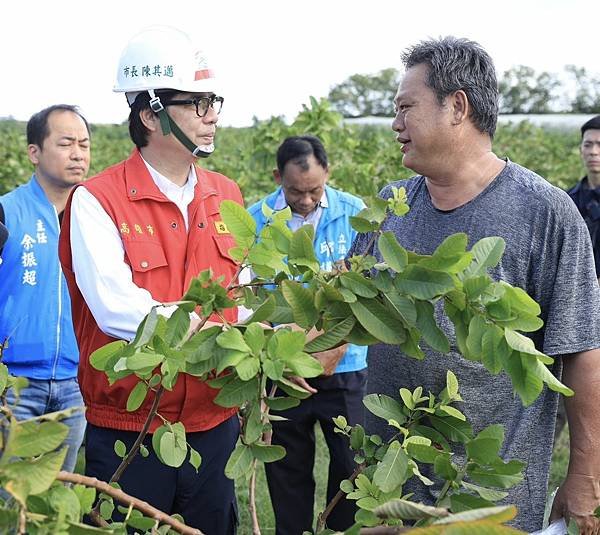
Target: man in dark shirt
{"points": [[586, 193]]}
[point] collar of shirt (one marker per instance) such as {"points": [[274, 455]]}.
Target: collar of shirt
{"points": [[297, 220], [181, 196]]}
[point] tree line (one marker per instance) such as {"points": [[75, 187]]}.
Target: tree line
{"points": [[522, 90]]}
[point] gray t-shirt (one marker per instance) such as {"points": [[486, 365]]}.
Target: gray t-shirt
{"points": [[549, 255]]}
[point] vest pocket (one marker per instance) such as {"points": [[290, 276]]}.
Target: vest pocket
{"points": [[224, 243], [144, 255]]}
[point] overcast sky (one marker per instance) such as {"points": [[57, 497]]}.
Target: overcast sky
{"points": [[271, 55]]}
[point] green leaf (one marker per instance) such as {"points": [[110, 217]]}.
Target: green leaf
{"points": [[461, 501], [302, 252], [358, 284], [521, 343], [267, 454], [146, 329], [452, 428], [500, 475], [292, 389], [487, 253], [378, 321], [451, 384], [475, 286], [423, 283], [39, 473], [407, 397], [282, 403], [263, 312], [142, 360], [239, 222], [477, 328], [498, 514], [236, 392], [137, 396], [101, 358], [86, 497], [200, 347], [483, 450], [301, 300], [522, 372], [409, 510], [253, 426], [240, 462], [494, 349], [248, 367], [255, 338], [360, 224], [548, 377], [30, 439], [391, 472], [394, 255], [195, 459], [303, 365], [172, 452], [385, 407], [404, 306], [432, 334], [285, 342], [232, 338], [332, 336], [120, 448], [177, 327], [487, 494], [452, 411], [273, 369]]}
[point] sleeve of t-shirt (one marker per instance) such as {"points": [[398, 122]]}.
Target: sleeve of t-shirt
{"points": [[570, 295]]}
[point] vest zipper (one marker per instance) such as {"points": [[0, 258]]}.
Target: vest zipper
{"points": [[59, 304]]}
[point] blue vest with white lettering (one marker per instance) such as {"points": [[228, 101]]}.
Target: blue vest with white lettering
{"points": [[35, 309], [333, 238]]}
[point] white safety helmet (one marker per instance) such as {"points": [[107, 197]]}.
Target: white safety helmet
{"points": [[163, 57]]}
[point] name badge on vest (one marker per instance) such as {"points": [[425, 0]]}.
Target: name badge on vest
{"points": [[221, 227]]}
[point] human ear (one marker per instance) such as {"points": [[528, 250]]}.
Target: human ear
{"points": [[149, 119], [460, 107], [33, 152]]}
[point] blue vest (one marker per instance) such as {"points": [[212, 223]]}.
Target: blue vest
{"points": [[35, 309], [333, 238]]}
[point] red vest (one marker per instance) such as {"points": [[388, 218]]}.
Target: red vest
{"points": [[164, 257]]}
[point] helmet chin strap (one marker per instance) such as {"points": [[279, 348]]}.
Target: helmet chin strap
{"points": [[169, 126]]}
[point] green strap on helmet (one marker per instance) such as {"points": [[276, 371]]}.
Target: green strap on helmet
{"points": [[169, 126]]}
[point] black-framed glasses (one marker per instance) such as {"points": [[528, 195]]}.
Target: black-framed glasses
{"points": [[202, 104]]}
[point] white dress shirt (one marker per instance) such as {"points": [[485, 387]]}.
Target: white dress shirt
{"points": [[104, 278]]}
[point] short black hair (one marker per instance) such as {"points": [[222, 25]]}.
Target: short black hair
{"points": [[137, 131], [460, 64], [37, 126], [297, 149], [592, 124]]}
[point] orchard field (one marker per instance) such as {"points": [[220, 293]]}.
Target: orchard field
{"points": [[363, 158]]}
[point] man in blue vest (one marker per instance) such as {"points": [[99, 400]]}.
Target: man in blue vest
{"points": [[35, 315], [302, 172]]}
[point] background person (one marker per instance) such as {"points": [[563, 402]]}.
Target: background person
{"points": [[134, 237], [586, 194], [447, 107], [302, 172], [35, 315]]}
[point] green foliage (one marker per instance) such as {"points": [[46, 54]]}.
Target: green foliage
{"points": [[363, 158], [475, 482]]}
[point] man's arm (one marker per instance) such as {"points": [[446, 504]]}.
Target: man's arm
{"points": [[104, 279], [579, 495]]}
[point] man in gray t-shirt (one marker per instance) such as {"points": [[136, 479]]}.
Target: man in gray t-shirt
{"points": [[446, 116]]}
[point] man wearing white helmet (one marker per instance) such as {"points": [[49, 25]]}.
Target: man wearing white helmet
{"points": [[134, 237]]}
